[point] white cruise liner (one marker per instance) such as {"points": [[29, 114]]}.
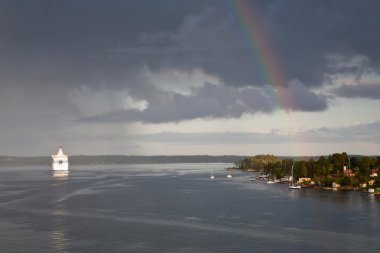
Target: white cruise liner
{"points": [[60, 161]]}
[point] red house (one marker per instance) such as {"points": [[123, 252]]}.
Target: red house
{"points": [[374, 172]]}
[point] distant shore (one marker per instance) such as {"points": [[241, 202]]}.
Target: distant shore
{"points": [[119, 159]]}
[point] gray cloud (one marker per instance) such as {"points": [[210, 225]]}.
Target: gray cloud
{"points": [[350, 134], [98, 42], [371, 91], [209, 101], [212, 101], [51, 49], [299, 98], [87, 41]]}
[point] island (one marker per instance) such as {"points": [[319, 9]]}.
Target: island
{"points": [[336, 171]]}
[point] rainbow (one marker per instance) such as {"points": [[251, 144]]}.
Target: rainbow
{"points": [[268, 64], [262, 51]]}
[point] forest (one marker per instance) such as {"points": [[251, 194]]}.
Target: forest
{"points": [[349, 171]]}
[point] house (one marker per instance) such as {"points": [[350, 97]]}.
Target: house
{"points": [[303, 179], [348, 172], [374, 172], [287, 179], [335, 185]]}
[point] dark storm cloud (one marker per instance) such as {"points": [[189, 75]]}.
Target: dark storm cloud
{"points": [[212, 101], [67, 36], [305, 32], [371, 91], [209, 101], [302, 33], [299, 97], [50, 48]]}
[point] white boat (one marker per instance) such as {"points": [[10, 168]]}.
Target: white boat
{"points": [[229, 176], [262, 176], [212, 175], [60, 161], [293, 186], [274, 181]]}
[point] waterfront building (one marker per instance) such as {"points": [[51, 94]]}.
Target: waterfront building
{"points": [[304, 179]]}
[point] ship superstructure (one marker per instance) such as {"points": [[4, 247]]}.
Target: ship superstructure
{"points": [[60, 161]]}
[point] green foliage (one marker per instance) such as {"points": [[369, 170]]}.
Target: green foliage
{"points": [[300, 169], [365, 166], [338, 161], [325, 170], [377, 181], [259, 163], [345, 181], [327, 181], [279, 173]]}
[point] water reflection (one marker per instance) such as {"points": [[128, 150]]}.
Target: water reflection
{"points": [[60, 174], [59, 239]]}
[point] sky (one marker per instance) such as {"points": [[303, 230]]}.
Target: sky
{"points": [[168, 77]]}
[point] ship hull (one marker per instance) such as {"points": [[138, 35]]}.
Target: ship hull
{"points": [[60, 167]]}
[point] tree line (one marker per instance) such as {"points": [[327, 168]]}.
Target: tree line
{"points": [[325, 170]]}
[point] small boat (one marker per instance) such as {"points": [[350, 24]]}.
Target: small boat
{"points": [[294, 187], [212, 175], [263, 176], [252, 179], [274, 181], [229, 176]]}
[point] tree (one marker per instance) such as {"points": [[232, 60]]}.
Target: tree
{"points": [[345, 181], [327, 181], [365, 166], [377, 181], [354, 162], [300, 169], [258, 162], [338, 161], [310, 168]]}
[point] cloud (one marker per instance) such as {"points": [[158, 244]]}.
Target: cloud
{"points": [[170, 61], [371, 91], [298, 97], [94, 42], [353, 77], [218, 101], [356, 133], [90, 102], [327, 27], [177, 81], [209, 101]]}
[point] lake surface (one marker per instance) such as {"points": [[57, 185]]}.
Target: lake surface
{"points": [[176, 208]]}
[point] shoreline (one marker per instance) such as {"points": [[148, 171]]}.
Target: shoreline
{"points": [[323, 188]]}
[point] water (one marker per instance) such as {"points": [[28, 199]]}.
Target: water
{"points": [[176, 208]]}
